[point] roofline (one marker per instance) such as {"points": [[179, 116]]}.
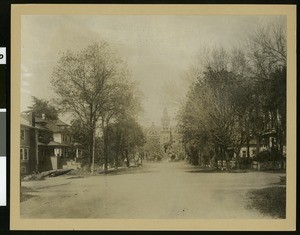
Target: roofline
{"points": [[34, 127]]}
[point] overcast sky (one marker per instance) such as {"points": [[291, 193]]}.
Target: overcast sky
{"points": [[158, 49]]}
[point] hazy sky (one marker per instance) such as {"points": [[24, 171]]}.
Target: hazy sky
{"points": [[158, 49]]}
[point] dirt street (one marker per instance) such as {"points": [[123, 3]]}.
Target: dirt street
{"points": [[155, 191]]}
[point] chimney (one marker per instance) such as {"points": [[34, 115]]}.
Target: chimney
{"points": [[32, 119]]}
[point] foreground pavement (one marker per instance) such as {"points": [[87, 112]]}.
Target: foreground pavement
{"points": [[164, 190]]}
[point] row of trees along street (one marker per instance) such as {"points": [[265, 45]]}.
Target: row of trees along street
{"points": [[94, 86], [236, 96]]}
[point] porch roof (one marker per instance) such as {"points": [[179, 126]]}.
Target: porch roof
{"points": [[56, 144], [41, 144]]}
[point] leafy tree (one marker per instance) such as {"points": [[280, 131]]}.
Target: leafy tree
{"points": [[237, 96], [123, 104], [44, 107], [126, 136], [79, 132], [217, 113], [88, 85], [153, 148]]}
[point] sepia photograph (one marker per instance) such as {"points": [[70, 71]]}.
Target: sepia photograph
{"points": [[153, 117]]}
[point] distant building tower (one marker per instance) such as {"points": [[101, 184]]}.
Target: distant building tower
{"points": [[165, 121]]}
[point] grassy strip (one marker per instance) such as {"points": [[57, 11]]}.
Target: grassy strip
{"points": [[269, 201]]}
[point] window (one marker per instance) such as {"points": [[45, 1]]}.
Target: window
{"points": [[57, 152], [24, 154], [23, 135], [244, 153], [253, 152], [23, 169]]}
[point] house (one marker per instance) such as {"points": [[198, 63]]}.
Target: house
{"points": [[267, 142], [43, 143], [62, 139], [32, 136], [265, 155], [252, 149]]}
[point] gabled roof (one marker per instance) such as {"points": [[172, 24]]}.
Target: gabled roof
{"points": [[159, 130], [53, 127], [269, 133], [153, 128], [252, 142], [60, 123], [41, 120], [46, 125], [56, 144], [25, 121]]}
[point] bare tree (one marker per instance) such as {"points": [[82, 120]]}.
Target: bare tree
{"points": [[267, 51], [267, 48]]}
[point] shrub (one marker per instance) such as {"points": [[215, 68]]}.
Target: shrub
{"points": [[263, 156]]}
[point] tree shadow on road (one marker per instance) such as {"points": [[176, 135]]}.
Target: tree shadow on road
{"points": [[269, 201]]}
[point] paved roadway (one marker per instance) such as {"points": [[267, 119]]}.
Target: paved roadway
{"points": [[154, 191]]}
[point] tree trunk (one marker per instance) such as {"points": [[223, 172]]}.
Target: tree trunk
{"points": [[105, 147], [237, 159], [106, 151], [92, 132], [226, 160], [127, 158], [280, 141], [257, 144], [221, 153], [93, 152], [211, 162], [118, 144], [116, 161], [248, 147], [199, 159], [90, 149], [281, 150], [216, 157]]}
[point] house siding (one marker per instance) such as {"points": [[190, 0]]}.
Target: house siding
{"points": [[57, 137], [25, 143]]}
